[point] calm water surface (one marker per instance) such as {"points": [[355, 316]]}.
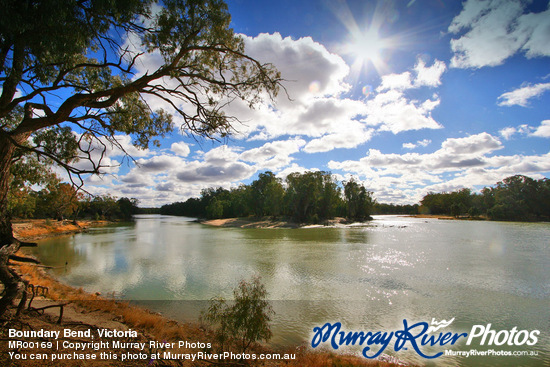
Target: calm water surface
{"points": [[367, 277]]}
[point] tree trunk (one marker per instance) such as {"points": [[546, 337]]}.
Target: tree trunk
{"points": [[7, 149], [8, 245]]}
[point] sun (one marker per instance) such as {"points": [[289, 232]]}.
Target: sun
{"points": [[367, 47]]}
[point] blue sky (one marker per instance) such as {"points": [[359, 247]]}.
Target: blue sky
{"points": [[406, 96]]}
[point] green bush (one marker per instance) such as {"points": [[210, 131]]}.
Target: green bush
{"points": [[244, 321]]}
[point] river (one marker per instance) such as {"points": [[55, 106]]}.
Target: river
{"points": [[369, 277]]}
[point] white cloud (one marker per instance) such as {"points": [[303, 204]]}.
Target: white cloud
{"points": [[537, 27], [312, 75], [348, 137], [136, 179], [475, 144], [327, 115], [181, 149], [321, 112], [507, 132], [215, 174], [494, 30], [309, 68], [273, 155], [392, 111], [543, 130], [522, 95], [426, 76], [405, 173], [396, 82], [219, 166], [315, 81], [422, 143], [293, 168], [429, 76]]}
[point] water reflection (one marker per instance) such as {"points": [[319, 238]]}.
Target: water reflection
{"points": [[369, 277]]}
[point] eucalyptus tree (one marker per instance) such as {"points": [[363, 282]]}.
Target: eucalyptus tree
{"points": [[96, 68], [359, 201]]}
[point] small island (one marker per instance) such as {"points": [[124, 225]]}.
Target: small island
{"points": [[313, 197], [317, 198]]}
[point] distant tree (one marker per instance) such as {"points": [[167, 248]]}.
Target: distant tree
{"points": [[128, 207], [72, 64], [516, 198], [58, 200], [543, 202], [329, 197], [359, 201], [266, 195], [240, 201], [384, 208], [302, 195], [22, 202], [104, 207], [214, 210]]}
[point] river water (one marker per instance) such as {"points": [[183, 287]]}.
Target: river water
{"points": [[368, 277]]}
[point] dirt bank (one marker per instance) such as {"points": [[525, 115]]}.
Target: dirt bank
{"points": [[37, 229]]}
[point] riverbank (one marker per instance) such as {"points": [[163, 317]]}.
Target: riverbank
{"points": [[86, 311], [67, 307], [39, 229]]}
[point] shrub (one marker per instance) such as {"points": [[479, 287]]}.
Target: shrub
{"points": [[244, 321]]}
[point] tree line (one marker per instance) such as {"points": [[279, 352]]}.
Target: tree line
{"points": [[516, 198], [309, 197], [59, 200]]}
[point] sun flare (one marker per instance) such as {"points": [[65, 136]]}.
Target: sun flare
{"points": [[367, 48], [365, 44]]}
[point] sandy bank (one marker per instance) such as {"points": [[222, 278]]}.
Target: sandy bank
{"points": [[250, 223], [446, 217], [273, 223]]}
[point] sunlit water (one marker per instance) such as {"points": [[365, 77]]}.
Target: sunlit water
{"points": [[367, 277]]}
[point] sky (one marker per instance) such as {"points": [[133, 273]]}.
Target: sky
{"points": [[406, 96]]}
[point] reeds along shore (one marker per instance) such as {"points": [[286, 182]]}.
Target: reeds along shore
{"points": [[94, 311]]}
